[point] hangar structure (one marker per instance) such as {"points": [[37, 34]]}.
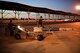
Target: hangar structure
{"points": [[17, 8]]}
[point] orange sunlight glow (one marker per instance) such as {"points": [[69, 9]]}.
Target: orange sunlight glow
{"points": [[77, 7]]}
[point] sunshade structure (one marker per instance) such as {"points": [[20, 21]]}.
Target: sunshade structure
{"points": [[21, 7], [6, 5]]}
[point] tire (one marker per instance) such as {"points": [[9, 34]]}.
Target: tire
{"points": [[39, 37], [17, 36]]}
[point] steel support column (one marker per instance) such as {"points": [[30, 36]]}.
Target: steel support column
{"points": [[2, 13], [15, 12]]}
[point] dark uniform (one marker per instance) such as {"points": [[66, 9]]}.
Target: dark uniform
{"points": [[40, 22], [11, 28]]}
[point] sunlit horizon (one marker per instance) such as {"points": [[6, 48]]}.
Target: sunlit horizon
{"points": [[62, 5]]}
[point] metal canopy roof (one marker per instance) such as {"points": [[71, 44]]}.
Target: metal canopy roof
{"points": [[6, 5]]}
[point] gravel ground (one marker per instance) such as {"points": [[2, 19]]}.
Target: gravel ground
{"points": [[56, 42]]}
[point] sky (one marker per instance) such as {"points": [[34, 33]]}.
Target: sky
{"points": [[62, 5]]}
